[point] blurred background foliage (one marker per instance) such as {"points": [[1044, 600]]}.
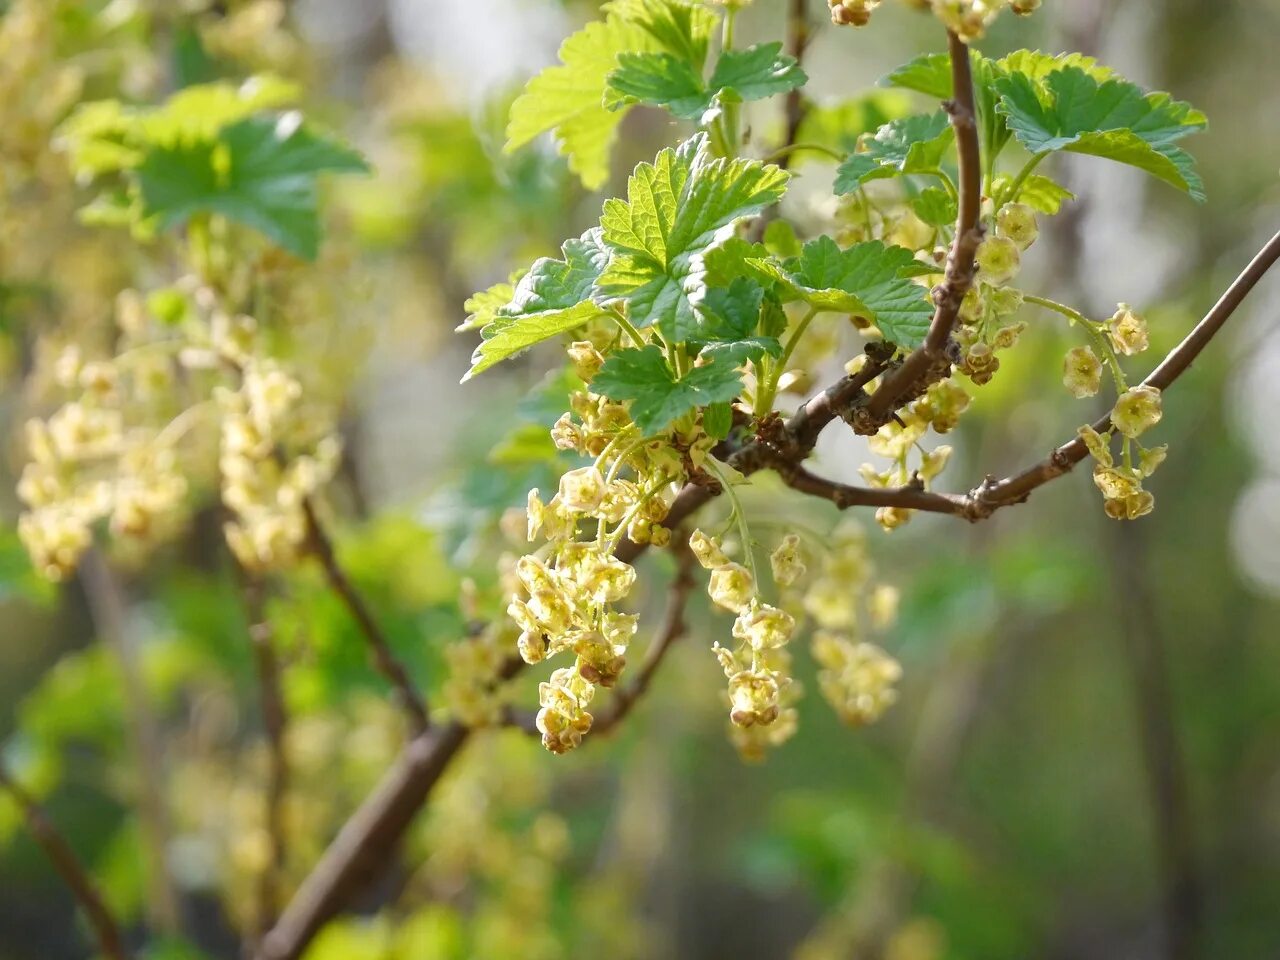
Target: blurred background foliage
{"points": [[1085, 760]]}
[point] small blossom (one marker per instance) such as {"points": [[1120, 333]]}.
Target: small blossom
{"points": [[1149, 460], [582, 490], [891, 518], [785, 561], [764, 627], [998, 260], [732, 586], [586, 359], [1137, 411], [1082, 372], [753, 698], [1128, 331]]}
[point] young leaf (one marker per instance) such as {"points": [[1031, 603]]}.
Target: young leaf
{"points": [[1070, 110], [867, 279], [668, 81], [911, 145], [568, 98], [552, 298], [482, 308], [260, 172], [756, 73], [657, 396], [935, 207], [717, 420], [731, 317], [678, 208], [680, 27], [659, 79], [1044, 194]]}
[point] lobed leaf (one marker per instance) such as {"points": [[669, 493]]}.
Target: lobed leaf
{"points": [[658, 398], [551, 299]]}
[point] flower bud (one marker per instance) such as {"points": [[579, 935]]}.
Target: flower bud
{"points": [[707, 550]]}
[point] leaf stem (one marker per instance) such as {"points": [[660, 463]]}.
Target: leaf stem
{"points": [[1010, 193], [769, 391], [628, 328]]}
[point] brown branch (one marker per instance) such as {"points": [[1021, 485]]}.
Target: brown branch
{"points": [[933, 358], [1145, 648], [1016, 488], [795, 44], [69, 868], [368, 840], [274, 719], [392, 670], [107, 610]]}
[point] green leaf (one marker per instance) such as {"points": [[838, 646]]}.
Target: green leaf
{"points": [[260, 172], [552, 298], [867, 279], [731, 317], [677, 209], [780, 237], [569, 98], [717, 420], [1114, 119], [657, 397], [935, 207], [482, 308], [931, 75], [910, 145], [755, 73], [680, 27], [668, 81], [1044, 194], [659, 79]]}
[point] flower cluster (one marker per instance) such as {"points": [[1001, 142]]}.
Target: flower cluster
{"points": [[565, 593], [1121, 484], [970, 19], [856, 677], [757, 667]]}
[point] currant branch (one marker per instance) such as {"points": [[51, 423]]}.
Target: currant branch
{"points": [[73, 873], [379, 647], [931, 360]]}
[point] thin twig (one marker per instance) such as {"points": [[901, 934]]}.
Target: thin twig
{"points": [[392, 670], [107, 610], [274, 719], [914, 373], [1016, 488], [368, 840], [672, 629], [1145, 650], [69, 868]]}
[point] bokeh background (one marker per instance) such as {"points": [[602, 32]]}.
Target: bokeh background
{"points": [[1085, 760]]}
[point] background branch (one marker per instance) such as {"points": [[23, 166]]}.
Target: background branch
{"points": [[274, 719], [69, 868], [107, 610], [672, 629], [384, 659]]}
